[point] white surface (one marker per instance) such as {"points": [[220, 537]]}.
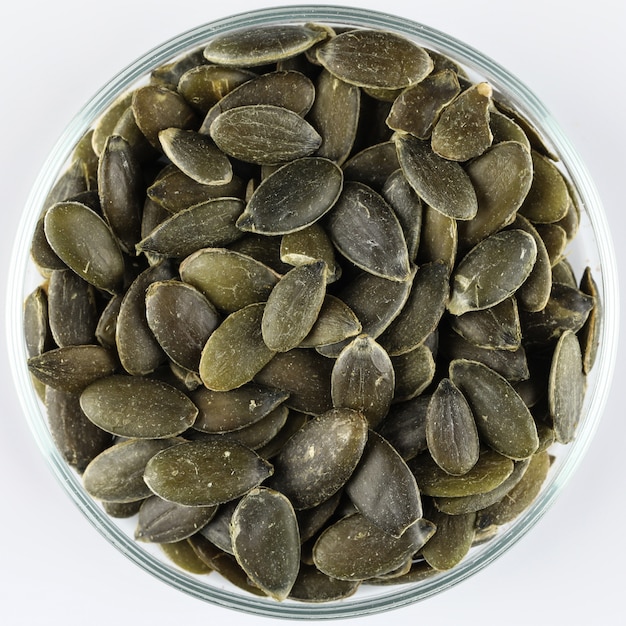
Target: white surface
{"points": [[56, 569]]}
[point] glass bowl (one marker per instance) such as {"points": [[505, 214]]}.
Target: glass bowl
{"points": [[592, 247]]}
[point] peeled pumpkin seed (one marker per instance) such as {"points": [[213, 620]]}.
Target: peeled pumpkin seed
{"points": [[503, 420], [122, 510], [85, 243], [399, 63], [36, 325], [266, 541], [160, 521], [504, 129], [414, 371], [312, 520], [335, 322], [182, 554], [137, 407], [555, 240], [169, 73], [438, 239], [106, 123], [392, 504], [492, 271], [372, 165], [205, 473], [563, 273], [355, 549], [262, 45], [452, 541], [314, 586], [262, 248], [293, 197], [217, 530], [264, 134], [105, 328], [589, 334], [319, 459]]}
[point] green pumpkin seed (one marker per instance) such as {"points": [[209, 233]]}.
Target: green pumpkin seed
{"points": [[548, 198], [419, 570], [287, 89], [108, 120], [305, 375], [160, 521], [555, 240], [451, 431], [392, 503], [417, 109], [107, 323], [262, 44], [170, 73], [567, 384], [462, 131], [122, 510], [182, 554], [504, 129], [336, 322], [116, 475], [314, 586], [229, 280], [404, 426], [42, 254], [127, 128], [504, 421], [121, 190], [414, 371], [491, 470], [132, 406], [563, 273], [442, 184], [319, 459], [452, 541], [438, 238], [78, 440], [349, 57], [36, 327], [266, 541], [355, 549], [311, 521], [196, 155], [422, 311], [293, 197], [571, 222], [492, 271], [264, 134], [590, 333], [210, 224], [263, 248], [235, 351], [502, 178], [372, 165], [335, 116], [363, 379], [366, 231], [72, 368], [217, 530], [205, 473], [85, 243], [72, 312]]}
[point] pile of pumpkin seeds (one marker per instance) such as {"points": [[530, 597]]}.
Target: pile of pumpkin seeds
{"points": [[307, 313]]}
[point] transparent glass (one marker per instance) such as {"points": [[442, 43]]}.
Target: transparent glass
{"points": [[592, 247]]}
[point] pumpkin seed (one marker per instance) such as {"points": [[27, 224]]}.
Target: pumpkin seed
{"points": [[36, 326], [235, 351], [589, 334], [263, 248], [363, 379], [319, 459], [349, 57], [122, 510], [182, 554], [108, 120], [293, 197], [169, 73], [312, 520], [262, 45], [372, 165], [414, 371], [563, 272], [106, 327], [504, 129], [85, 243], [205, 473], [452, 541], [266, 541], [364, 228], [314, 586], [554, 238], [503, 420], [438, 238], [336, 322], [264, 134], [137, 407], [404, 426], [217, 530], [492, 271], [451, 431]]}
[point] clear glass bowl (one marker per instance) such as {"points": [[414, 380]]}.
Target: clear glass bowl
{"points": [[592, 247]]}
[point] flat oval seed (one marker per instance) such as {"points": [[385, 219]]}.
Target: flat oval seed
{"points": [[462, 131], [266, 541], [182, 320], [492, 271], [116, 475], [235, 352], [141, 408], [108, 120], [264, 134], [383, 488], [335, 322], [414, 371], [262, 45], [355, 549], [404, 427], [209, 224], [590, 333], [181, 553], [204, 473], [320, 457], [442, 184], [566, 389], [438, 238], [363, 379], [85, 243], [452, 541], [293, 197], [314, 586], [36, 326], [160, 521], [504, 422], [228, 279], [196, 155], [366, 231], [372, 165], [398, 62], [293, 306], [505, 129]]}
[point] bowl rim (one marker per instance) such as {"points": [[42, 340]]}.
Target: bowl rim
{"points": [[502, 81]]}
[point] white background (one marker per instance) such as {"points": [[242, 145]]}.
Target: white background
{"points": [[56, 569]]}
